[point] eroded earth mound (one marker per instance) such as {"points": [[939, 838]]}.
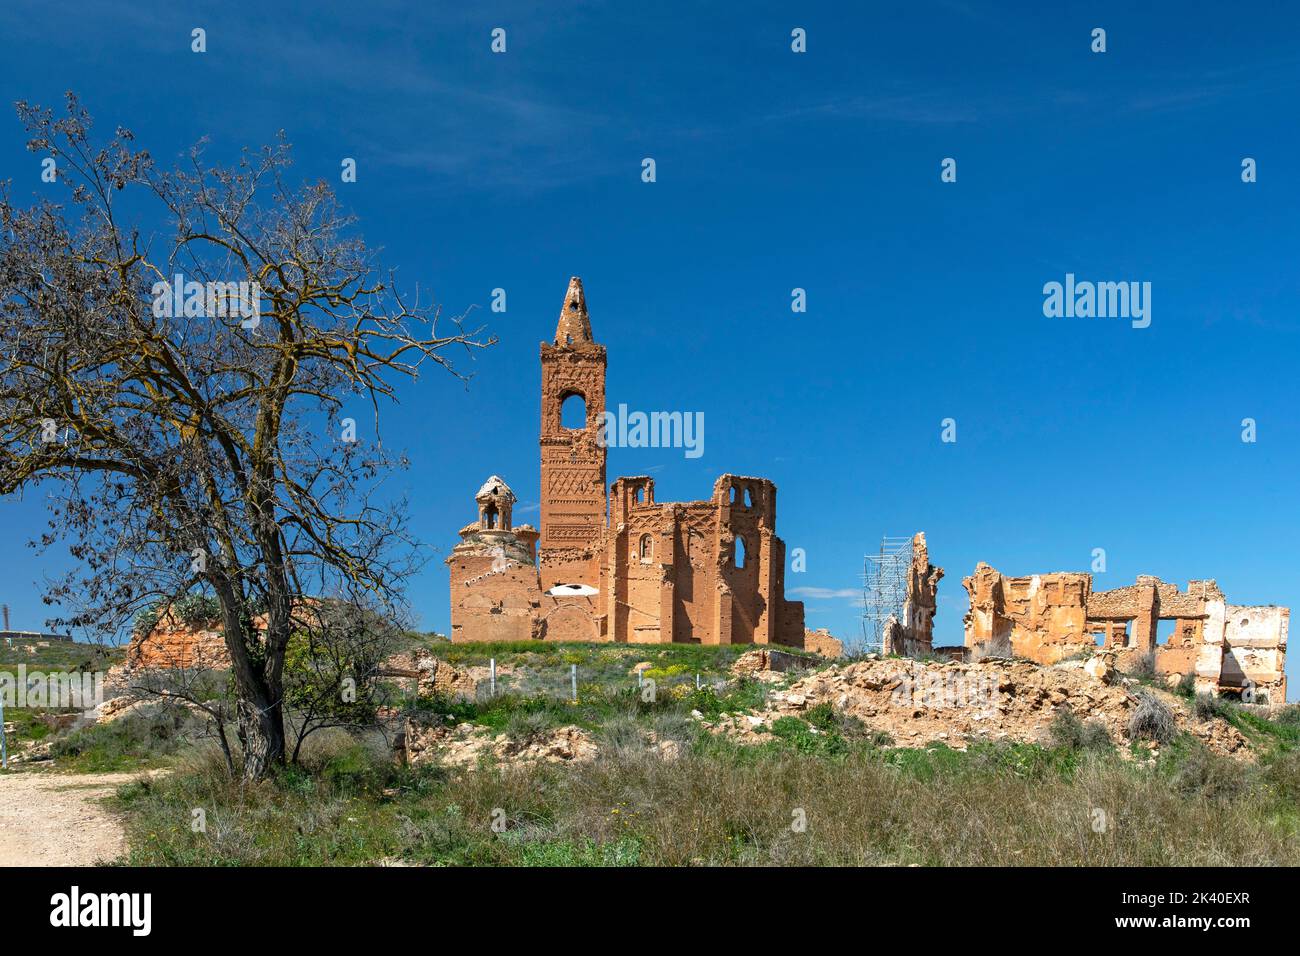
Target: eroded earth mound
{"points": [[918, 702]]}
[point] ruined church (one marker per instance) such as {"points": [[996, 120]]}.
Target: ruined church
{"points": [[614, 564]]}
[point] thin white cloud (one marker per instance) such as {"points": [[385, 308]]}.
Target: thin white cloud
{"points": [[828, 593]]}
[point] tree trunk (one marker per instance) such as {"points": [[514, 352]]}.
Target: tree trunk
{"points": [[259, 707], [225, 745], [261, 730]]}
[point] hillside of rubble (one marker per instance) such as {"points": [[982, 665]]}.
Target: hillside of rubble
{"points": [[915, 703], [588, 754]]}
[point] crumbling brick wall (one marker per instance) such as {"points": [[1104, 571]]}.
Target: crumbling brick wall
{"points": [[432, 674], [1244, 651], [495, 590], [1047, 617], [821, 642], [708, 572], [172, 643], [1040, 617], [913, 635]]}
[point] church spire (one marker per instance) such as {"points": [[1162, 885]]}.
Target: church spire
{"points": [[574, 325]]}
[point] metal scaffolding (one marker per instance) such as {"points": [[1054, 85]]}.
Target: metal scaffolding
{"points": [[884, 589]]}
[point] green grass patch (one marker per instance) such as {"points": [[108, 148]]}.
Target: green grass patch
{"points": [[994, 804], [69, 656], [138, 741]]}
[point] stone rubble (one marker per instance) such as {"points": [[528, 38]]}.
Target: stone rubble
{"points": [[466, 745], [918, 702], [436, 676]]}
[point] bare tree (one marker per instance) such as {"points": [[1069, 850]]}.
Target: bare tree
{"points": [[198, 432]]}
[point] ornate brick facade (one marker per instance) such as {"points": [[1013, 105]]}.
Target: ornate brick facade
{"points": [[619, 566], [573, 459]]}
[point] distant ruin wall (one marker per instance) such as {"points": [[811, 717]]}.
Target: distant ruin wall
{"points": [[171, 643], [913, 634], [1049, 617], [821, 642]]}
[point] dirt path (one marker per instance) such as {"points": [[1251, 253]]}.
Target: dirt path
{"points": [[49, 819]]}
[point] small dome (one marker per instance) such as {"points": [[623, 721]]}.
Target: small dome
{"points": [[495, 487]]}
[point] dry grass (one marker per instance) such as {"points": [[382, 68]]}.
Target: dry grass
{"points": [[994, 806], [1152, 720]]}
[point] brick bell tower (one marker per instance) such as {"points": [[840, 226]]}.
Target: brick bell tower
{"points": [[573, 460]]}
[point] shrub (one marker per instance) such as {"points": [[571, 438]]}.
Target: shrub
{"points": [[1071, 733], [528, 725], [153, 732], [1066, 730], [806, 739], [744, 695], [662, 674], [1198, 772], [331, 745], [1207, 707], [1187, 685], [822, 716], [1096, 736], [197, 609], [145, 621], [357, 768], [1281, 771], [1145, 667], [1289, 716], [1152, 720]]}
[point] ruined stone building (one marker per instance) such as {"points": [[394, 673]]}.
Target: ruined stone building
{"points": [[614, 564], [1048, 617], [913, 635]]}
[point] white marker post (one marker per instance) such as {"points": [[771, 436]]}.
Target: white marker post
{"points": [[492, 675], [573, 677]]}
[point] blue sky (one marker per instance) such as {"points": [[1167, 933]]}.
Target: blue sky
{"points": [[775, 171]]}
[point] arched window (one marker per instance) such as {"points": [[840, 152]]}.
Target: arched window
{"points": [[573, 412], [490, 516], [740, 551], [647, 549], [749, 498]]}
